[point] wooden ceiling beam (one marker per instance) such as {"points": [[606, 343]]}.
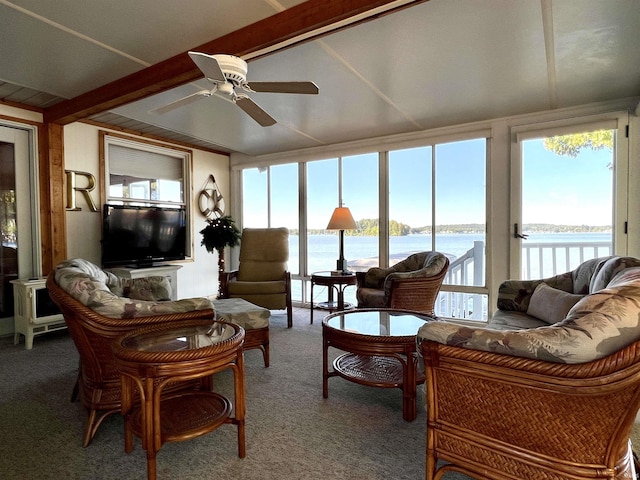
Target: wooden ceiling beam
{"points": [[296, 22]]}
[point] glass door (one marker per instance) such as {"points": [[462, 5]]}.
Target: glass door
{"points": [[569, 183], [16, 245]]}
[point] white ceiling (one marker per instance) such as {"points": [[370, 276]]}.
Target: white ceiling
{"points": [[438, 63]]}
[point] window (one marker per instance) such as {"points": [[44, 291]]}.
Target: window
{"points": [[437, 202], [145, 173], [270, 200]]}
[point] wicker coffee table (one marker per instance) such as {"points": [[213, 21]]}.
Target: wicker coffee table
{"points": [[380, 348], [152, 358]]}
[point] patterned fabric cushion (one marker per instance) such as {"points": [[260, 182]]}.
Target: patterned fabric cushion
{"points": [[588, 277], [372, 297], [241, 312], [515, 295], [609, 269], [512, 320], [598, 325], [90, 285], [550, 304], [417, 265]]}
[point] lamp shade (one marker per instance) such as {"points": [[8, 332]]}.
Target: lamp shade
{"points": [[342, 220]]}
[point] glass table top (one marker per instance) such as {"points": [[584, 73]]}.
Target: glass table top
{"points": [[377, 322], [178, 339]]}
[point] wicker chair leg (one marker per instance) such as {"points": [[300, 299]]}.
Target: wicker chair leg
{"points": [[265, 353], [93, 423], [75, 393]]}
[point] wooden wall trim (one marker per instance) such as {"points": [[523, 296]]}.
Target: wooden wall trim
{"points": [[52, 208]]}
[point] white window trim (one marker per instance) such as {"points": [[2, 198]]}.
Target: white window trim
{"points": [[186, 156], [615, 120]]}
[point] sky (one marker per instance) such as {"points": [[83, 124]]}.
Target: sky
{"points": [[557, 189]]}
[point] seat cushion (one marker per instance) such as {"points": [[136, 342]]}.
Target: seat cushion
{"points": [[262, 288], [598, 325], [513, 320], [87, 283], [371, 298], [241, 312]]}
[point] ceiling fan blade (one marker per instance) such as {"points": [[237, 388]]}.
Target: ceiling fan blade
{"points": [[183, 101], [208, 65], [284, 87], [252, 109]]}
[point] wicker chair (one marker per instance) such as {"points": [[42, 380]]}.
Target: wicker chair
{"points": [[93, 333], [412, 284], [552, 402]]}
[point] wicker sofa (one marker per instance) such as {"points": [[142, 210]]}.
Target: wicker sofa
{"points": [[540, 400], [98, 307]]}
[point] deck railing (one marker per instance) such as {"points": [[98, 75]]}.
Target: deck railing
{"points": [[539, 260]]}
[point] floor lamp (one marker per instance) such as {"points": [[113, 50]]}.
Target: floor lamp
{"points": [[342, 220]]}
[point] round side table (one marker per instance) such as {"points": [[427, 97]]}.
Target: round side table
{"points": [[335, 281], [380, 346], [152, 358]]}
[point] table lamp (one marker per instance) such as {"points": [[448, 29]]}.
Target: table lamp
{"points": [[342, 220]]}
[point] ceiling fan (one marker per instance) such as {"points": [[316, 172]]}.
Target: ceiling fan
{"points": [[228, 74]]}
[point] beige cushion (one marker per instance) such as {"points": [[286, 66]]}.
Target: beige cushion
{"points": [[264, 253], [550, 304]]}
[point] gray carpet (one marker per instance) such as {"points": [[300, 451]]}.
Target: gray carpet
{"points": [[292, 432]]}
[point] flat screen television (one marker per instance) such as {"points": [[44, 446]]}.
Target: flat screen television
{"points": [[139, 236]]}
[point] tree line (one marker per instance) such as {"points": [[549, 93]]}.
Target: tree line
{"points": [[368, 227]]}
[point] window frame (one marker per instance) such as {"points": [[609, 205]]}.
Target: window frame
{"points": [[135, 143], [622, 196]]}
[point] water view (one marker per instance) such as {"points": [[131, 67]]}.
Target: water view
{"points": [[544, 255], [323, 249]]}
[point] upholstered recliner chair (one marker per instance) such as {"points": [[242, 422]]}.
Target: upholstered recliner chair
{"points": [[412, 284], [262, 277], [98, 307], [552, 400]]}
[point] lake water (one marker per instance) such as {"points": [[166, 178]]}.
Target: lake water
{"points": [[323, 250]]}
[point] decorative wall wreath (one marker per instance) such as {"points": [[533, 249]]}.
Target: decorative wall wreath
{"points": [[210, 200]]}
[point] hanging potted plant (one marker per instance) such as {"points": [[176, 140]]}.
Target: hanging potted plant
{"points": [[219, 233]]}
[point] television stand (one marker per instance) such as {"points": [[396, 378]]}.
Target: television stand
{"points": [[168, 271]]}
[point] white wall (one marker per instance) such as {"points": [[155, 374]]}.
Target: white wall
{"points": [[198, 275]]}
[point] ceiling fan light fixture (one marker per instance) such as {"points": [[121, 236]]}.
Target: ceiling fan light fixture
{"points": [[234, 68]]}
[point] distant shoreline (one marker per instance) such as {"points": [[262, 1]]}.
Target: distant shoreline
{"points": [[469, 228]]}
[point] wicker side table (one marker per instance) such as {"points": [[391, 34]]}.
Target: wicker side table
{"points": [[153, 358], [380, 348], [334, 281]]}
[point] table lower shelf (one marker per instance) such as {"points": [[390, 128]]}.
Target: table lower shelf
{"points": [[373, 370], [332, 306], [187, 414]]}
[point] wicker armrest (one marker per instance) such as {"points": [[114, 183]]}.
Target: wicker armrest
{"points": [[529, 418]]}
